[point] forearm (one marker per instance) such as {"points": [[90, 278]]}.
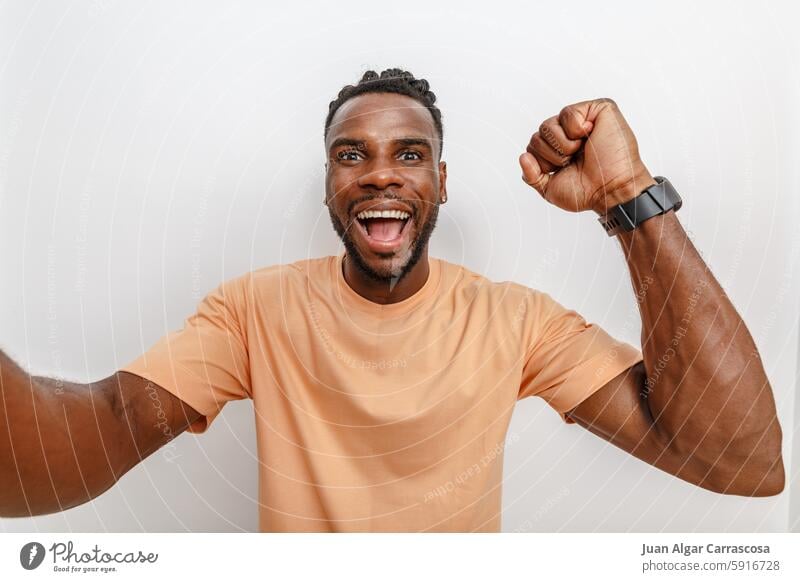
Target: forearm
{"points": [[57, 449], [706, 387]]}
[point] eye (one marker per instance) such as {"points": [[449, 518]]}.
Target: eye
{"points": [[347, 155], [411, 153]]}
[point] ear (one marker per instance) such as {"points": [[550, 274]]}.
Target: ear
{"points": [[442, 182]]}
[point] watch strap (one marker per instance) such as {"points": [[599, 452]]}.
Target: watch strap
{"points": [[655, 200]]}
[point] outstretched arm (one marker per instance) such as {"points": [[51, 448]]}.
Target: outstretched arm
{"points": [[63, 443], [700, 407]]}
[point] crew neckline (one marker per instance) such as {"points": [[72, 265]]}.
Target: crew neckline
{"points": [[350, 297]]}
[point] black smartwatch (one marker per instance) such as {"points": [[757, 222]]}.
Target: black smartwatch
{"points": [[655, 200]]}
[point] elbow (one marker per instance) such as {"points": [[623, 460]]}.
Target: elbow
{"points": [[774, 485], [751, 479], [750, 466], [769, 485], [773, 482]]}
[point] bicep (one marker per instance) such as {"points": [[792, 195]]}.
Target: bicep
{"points": [[147, 415], [619, 413]]}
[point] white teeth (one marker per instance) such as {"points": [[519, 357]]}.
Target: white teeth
{"points": [[398, 214]]}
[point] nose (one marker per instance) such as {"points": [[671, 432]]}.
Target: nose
{"points": [[381, 175]]}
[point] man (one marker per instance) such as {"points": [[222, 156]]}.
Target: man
{"points": [[383, 380]]}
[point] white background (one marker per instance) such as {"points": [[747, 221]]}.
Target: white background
{"points": [[149, 152]]}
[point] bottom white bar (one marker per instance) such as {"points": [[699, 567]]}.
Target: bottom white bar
{"points": [[415, 557]]}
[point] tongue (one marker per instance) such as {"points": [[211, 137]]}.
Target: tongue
{"points": [[384, 229]]}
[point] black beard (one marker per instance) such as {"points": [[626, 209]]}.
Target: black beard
{"points": [[418, 246]]}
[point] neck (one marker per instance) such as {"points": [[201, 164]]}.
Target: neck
{"points": [[385, 293]]}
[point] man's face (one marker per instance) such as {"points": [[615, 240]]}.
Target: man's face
{"points": [[384, 183]]}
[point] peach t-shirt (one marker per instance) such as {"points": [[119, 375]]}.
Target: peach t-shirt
{"points": [[380, 417]]}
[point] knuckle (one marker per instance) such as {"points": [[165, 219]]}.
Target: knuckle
{"points": [[548, 125]]}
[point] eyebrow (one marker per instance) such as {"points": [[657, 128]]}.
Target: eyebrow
{"points": [[403, 141]]}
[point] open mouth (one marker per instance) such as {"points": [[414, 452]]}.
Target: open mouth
{"points": [[383, 229]]}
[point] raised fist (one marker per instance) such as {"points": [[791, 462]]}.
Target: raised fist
{"points": [[586, 157]]}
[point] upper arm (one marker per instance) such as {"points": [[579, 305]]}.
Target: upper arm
{"points": [[568, 359], [147, 415], [206, 363], [619, 413]]}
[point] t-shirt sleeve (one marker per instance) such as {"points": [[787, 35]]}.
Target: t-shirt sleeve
{"points": [[205, 364], [568, 359]]}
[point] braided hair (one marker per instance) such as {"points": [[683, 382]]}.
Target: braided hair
{"points": [[390, 81]]}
